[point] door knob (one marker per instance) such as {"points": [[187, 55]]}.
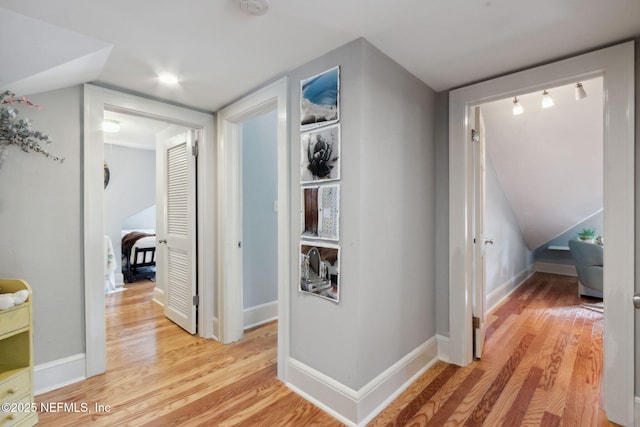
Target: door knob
{"points": [[636, 300], [488, 241], [162, 241]]}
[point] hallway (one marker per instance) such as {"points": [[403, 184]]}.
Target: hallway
{"points": [[542, 366]]}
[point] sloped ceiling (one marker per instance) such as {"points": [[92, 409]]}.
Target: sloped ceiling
{"points": [[37, 56], [549, 161], [222, 53], [135, 132]]}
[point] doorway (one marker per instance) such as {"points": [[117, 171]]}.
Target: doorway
{"points": [[616, 66], [272, 98], [130, 194], [96, 100], [259, 164], [542, 170]]}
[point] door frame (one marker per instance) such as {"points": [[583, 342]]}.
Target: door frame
{"points": [[96, 100], [229, 261], [616, 66]]}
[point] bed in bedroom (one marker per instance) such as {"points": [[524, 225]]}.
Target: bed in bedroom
{"points": [[138, 254]]}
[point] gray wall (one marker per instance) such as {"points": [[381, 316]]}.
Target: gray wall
{"points": [[131, 190], [543, 254], [387, 292], [509, 255], [41, 225], [259, 221], [442, 213]]}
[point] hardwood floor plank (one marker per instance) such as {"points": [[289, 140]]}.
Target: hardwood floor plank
{"points": [[550, 420], [452, 403], [519, 408], [542, 367], [413, 406], [489, 398]]}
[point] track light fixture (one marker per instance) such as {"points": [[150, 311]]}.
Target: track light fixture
{"points": [[517, 107], [547, 100], [580, 92]]}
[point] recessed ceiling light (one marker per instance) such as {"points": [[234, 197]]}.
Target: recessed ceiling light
{"points": [[168, 78], [255, 7], [111, 126]]}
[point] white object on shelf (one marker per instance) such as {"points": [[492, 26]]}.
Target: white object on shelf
{"points": [[558, 248]]}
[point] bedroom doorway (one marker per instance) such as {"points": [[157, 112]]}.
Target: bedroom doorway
{"points": [[130, 195], [97, 100], [149, 195]]}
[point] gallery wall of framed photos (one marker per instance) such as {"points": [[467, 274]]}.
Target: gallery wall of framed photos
{"points": [[319, 256]]}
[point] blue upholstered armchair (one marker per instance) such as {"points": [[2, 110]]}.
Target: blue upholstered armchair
{"points": [[589, 262]]}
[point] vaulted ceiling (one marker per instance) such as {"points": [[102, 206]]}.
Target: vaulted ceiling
{"points": [[549, 160], [220, 52]]}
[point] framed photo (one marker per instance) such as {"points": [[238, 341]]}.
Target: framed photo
{"points": [[320, 154], [320, 270], [321, 212], [320, 99]]}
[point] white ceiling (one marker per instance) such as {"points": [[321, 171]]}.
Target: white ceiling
{"points": [[135, 131], [221, 53], [549, 161]]}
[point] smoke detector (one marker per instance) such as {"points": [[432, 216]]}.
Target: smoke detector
{"points": [[255, 7]]}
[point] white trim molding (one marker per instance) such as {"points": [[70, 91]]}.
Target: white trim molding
{"points": [[358, 407], [260, 314], [59, 373], [636, 411], [499, 294], [444, 348], [159, 296], [554, 268]]}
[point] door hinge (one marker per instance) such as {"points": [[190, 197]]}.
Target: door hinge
{"points": [[475, 135], [476, 322], [194, 147], [196, 300]]}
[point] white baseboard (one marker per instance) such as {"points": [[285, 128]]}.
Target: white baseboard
{"points": [[549, 267], [158, 296], [59, 373], [636, 411], [499, 294], [357, 408], [444, 348], [263, 313]]}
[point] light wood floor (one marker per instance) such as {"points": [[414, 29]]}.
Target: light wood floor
{"points": [[542, 366]]}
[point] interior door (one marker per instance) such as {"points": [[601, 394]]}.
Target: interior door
{"points": [[176, 225], [480, 240]]}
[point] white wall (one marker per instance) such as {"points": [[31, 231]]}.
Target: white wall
{"points": [[131, 190], [41, 225], [259, 191]]}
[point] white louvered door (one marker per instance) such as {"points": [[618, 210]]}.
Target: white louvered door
{"points": [[178, 244]]}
